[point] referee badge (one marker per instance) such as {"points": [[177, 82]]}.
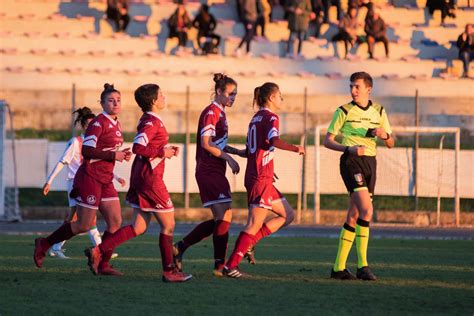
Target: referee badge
{"points": [[359, 179]]}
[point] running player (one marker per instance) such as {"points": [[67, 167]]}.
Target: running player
{"points": [[72, 157], [211, 159], [361, 122], [263, 137], [93, 188], [148, 194]]}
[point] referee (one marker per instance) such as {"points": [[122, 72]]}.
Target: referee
{"points": [[360, 122]]}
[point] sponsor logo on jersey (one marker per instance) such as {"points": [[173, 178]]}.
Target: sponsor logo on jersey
{"points": [[111, 126], [210, 112], [240, 254], [91, 199], [149, 123], [96, 124], [118, 133], [359, 179], [273, 118]]}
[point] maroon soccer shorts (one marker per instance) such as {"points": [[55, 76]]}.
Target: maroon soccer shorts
{"points": [[263, 194], [156, 200], [213, 188], [88, 192]]}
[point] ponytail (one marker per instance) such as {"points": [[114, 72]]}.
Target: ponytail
{"points": [[83, 115]]}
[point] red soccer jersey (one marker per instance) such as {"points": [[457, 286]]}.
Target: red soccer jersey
{"points": [[212, 122], [148, 145], [103, 133], [262, 128]]}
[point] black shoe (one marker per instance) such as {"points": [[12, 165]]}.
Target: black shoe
{"points": [[250, 255], [342, 275], [178, 255], [232, 273], [365, 273]]}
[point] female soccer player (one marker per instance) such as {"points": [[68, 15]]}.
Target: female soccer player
{"points": [[72, 157], [93, 188], [147, 194], [211, 159], [263, 137], [360, 122]]}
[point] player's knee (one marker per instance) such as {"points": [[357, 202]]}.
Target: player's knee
{"points": [[290, 216]]}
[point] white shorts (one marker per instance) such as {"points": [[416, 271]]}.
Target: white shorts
{"points": [[72, 202]]}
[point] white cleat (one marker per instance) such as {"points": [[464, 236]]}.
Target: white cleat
{"points": [[114, 255], [58, 254]]}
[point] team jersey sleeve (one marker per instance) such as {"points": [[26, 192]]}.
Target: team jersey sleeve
{"points": [[337, 122], [69, 152], [384, 123], [141, 143], [273, 129], [209, 123]]}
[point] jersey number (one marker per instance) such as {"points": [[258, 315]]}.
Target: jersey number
{"points": [[252, 139]]}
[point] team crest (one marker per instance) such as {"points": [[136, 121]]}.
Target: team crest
{"points": [[91, 199], [169, 203], [358, 178], [118, 133]]}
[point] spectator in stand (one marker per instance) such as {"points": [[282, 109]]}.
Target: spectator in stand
{"points": [[465, 44], [248, 15], [205, 22], [347, 30], [264, 12], [117, 11], [446, 8], [299, 15], [318, 10], [376, 31], [179, 24], [327, 5]]}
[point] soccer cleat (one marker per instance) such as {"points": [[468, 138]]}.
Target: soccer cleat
{"points": [[94, 257], [342, 275], [114, 255], [175, 276], [109, 270], [178, 255], [59, 253], [41, 246], [366, 274], [232, 273], [250, 255]]}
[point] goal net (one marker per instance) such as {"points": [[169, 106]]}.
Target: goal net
{"points": [[424, 177], [9, 205]]}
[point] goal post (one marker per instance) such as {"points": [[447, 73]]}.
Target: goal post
{"points": [[9, 203], [320, 130]]}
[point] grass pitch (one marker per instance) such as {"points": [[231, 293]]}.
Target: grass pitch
{"points": [[291, 278]]}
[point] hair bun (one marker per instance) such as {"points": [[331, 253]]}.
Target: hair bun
{"points": [[218, 77], [108, 86]]}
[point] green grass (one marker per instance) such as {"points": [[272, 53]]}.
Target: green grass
{"points": [[290, 278]]}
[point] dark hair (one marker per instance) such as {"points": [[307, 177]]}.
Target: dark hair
{"points": [[145, 95], [364, 76], [222, 81], [262, 94], [108, 89], [83, 115]]}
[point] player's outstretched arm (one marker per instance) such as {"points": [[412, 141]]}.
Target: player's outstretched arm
{"points": [[234, 151], [281, 144]]}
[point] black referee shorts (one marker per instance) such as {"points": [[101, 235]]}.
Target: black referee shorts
{"points": [[358, 172]]}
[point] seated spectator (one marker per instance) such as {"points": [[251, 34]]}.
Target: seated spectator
{"points": [[327, 5], [207, 40], [465, 44], [179, 24], [446, 8], [347, 30], [376, 31], [117, 11], [299, 14]]}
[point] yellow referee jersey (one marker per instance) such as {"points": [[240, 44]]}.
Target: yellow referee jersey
{"points": [[356, 123]]}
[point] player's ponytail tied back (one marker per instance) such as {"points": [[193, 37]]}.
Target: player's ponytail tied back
{"points": [[83, 115], [222, 81], [108, 89]]}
